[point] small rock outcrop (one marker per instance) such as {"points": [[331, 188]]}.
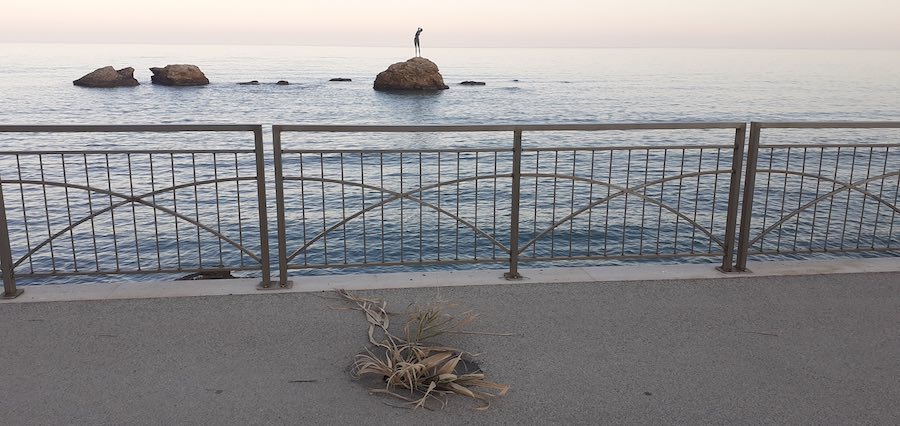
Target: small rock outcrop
{"points": [[472, 83], [282, 83], [179, 75], [414, 74], [341, 79], [108, 77], [250, 83]]}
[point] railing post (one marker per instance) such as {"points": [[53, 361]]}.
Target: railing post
{"points": [[279, 203], [514, 208], [6, 263], [734, 193], [747, 206], [263, 208]]}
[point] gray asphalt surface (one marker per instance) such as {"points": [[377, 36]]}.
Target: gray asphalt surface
{"points": [[776, 350]]}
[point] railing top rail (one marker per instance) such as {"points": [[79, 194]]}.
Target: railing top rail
{"points": [[827, 124], [131, 151], [129, 128], [506, 127], [825, 145]]}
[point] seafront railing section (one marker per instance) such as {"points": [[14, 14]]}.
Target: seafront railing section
{"points": [[387, 207], [530, 195], [135, 211], [815, 192]]}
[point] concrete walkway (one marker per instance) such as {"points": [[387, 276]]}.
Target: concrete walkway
{"points": [[807, 348]]}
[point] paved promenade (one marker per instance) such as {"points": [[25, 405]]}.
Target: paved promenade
{"points": [[789, 344]]}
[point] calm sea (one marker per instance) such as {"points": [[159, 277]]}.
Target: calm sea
{"points": [[534, 86], [523, 85]]}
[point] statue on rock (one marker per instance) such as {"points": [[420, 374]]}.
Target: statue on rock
{"points": [[416, 42]]}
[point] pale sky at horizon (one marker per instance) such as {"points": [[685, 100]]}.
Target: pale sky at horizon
{"points": [[871, 24]]}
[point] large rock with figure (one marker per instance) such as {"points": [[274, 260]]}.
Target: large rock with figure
{"points": [[108, 77], [414, 74], [179, 75]]}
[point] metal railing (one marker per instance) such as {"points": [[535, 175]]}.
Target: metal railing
{"points": [[133, 211], [351, 207], [527, 193], [825, 196]]}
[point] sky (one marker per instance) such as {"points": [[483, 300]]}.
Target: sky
{"points": [[839, 24]]}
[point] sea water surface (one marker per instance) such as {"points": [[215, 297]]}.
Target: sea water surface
{"points": [[523, 86]]}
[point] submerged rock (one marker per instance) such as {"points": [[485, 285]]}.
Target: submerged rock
{"points": [[472, 83], [250, 83], [108, 77], [340, 79], [179, 75], [414, 74]]}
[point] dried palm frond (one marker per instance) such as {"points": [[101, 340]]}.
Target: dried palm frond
{"points": [[428, 372]]}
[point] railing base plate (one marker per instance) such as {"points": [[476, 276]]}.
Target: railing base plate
{"points": [[734, 270], [515, 276], [275, 286], [12, 295]]}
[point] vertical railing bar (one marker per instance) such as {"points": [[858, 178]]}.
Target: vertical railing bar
{"points": [[6, 263], [862, 211], [837, 161], [881, 196], [362, 181], [324, 211], [696, 202], [662, 191], [440, 197], [644, 201], [762, 241], [237, 188], [715, 193], [218, 207], [24, 213], [112, 213], [893, 212], [262, 204], [849, 196], [678, 203], [155, 223], [591, 200], [137, 241], [537, 170], [494, 216], [514, 208], [280, 216], [302, 207], [456, 225], [734, 191], [87, 182], [62, 158], [625, 208], [553, 203], [749, 189], [787, 166], [572, 204], [197, 210], [608, 193], [344, 207], [800, 200], [421, 211], [812, 230], [47, 211], [175, 208], [381, 177], [402, 225], [475, 208]]}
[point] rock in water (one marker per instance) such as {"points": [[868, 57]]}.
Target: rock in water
{"points": [[340, 79], [282, 83], [179, 75], [108, 77], [472, 83], [414, 74]]}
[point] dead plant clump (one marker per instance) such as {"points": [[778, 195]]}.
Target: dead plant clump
{"points": [[415, 370]]}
